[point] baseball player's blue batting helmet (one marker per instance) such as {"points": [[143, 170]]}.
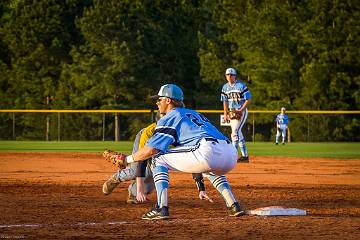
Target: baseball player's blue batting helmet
{"points": [[230, 71], [171, 91]]}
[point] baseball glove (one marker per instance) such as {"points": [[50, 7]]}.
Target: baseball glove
{"points": [[118, 159], [235, 115]]}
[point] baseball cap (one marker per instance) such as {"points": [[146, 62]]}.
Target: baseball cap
{"points": [[170, 91], [283, 109], [230, 71]]}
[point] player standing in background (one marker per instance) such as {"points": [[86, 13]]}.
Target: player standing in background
{"points": [[199, 148], [282, 122], [140, 173], [236, 97]]}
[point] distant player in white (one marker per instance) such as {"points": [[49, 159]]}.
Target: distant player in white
{"points": [[282, 122], [198, 148], [236, 97]]}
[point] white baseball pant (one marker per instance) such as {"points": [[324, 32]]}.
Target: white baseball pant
{"points": [[281, 130], [208, 156]]}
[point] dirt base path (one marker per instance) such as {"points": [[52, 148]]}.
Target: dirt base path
{"points": [[58, 196]]}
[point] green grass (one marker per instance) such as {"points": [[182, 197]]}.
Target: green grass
{"points": [[322, 150], [64, 146]]}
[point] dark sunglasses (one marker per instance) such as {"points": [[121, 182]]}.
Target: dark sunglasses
{"points": [[159, 99]]}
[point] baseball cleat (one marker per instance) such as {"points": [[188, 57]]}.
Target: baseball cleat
{"points": [[157, 214], [243, 159], [110, 184], [235, 210]]}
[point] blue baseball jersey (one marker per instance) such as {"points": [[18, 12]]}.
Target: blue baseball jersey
{"points": [[182, 127], [235, 95], [282, 119]]}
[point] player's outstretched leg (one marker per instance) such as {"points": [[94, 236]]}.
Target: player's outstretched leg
{"points": [[277, 136], [238, 138], [221, 184], [132, 193], [161, 180], [235, 125], [120, 176], [283, 136], [244, 154], [235, 143]]}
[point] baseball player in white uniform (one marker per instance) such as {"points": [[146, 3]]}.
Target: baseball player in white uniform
{"points": [[282, 122], [236, 97], [198, 148], [140, 174]]}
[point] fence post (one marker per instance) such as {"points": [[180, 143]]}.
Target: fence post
{"points": [[59, 126], [253, 133], [47, 127], [47, 119], [116, 127], [308, 128], [103, 128], [13, 126]]}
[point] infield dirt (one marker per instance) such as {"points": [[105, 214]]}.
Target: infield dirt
{"points": [[58, 196]]}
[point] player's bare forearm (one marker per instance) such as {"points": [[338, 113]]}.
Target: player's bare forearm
{"points": [[226, 106], [226, 116], [140, 184], [244, 106], [140, 190], [144, 153]]}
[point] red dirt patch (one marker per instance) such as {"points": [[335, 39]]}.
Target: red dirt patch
{"points": [[58, 196]]}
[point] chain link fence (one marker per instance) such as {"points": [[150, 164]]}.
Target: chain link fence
{"points": [[116, 125]]}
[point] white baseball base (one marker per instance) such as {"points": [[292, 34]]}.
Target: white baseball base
{"points": [[277, 211]]}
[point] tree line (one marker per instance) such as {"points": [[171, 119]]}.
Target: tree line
{"points": [[93, 54]]}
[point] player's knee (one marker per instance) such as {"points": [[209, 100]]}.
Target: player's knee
{"points": [[234, 137]]}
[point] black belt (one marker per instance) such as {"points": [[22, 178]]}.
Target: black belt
{"points": [[210, 139]]}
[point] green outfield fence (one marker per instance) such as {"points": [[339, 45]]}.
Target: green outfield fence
{"points": [[116, 125]]}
